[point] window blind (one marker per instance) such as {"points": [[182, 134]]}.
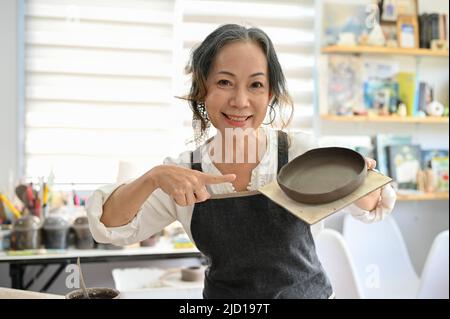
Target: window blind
{"points": [[102, 76]]}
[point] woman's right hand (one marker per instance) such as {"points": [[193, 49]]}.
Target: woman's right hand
{"points": [[186, 186]]}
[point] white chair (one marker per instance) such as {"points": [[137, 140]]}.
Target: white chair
{"points": [[335, 258], [381, 259], [434, 279]]}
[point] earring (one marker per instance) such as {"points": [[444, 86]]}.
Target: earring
{"points": [[200, 136], [202, 109]]}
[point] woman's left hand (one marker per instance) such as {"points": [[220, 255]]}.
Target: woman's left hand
{"points": [[370, 201]]}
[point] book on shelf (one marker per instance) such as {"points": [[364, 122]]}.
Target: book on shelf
{"points": [[429, 154], [380, 96], [380, 69], [432, 26], [407, 91], [423, 31], [442, 27], [404, 165], [344, 84], [439, 166], [380, 142], [380, 86], [425, 96]]}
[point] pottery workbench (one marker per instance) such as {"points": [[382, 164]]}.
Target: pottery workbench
{"points": [[7, 293], [19, 261]]}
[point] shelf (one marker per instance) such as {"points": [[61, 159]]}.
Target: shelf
{"points": [[391, 119], [383, 50], [163, 249], [422, 196]]}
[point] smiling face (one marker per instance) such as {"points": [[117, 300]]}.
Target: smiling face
{"points": [[237, 87]]}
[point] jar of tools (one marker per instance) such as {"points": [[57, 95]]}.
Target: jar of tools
{"points": [[56, 231], [83, 236], [26, 233]]}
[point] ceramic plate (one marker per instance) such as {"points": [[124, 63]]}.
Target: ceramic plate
{"points": [[322, 175]]}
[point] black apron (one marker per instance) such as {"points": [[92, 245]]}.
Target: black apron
{"points": [[255, 248]]}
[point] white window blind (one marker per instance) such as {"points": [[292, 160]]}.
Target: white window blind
{"points": [[102, 76]]}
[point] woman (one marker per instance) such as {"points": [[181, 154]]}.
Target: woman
{"points": [[255, 248]]}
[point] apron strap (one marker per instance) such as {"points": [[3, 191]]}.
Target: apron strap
{"points": [[196, 155], [283, 149]]}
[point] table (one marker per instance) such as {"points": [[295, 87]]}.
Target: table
{"points": [[18, 261], [7, 293]]}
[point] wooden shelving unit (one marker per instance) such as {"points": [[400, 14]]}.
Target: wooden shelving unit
{"points": [[422, 196], [383, 50], [384, 119]]}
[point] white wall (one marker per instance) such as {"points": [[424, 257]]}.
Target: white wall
{"points": [[8, 90]]}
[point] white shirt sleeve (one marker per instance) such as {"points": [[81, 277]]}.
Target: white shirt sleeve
{"points": [[384, 207], [157, 212]]}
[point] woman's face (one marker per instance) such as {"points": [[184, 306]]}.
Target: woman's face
{"points": [[238, 87]]}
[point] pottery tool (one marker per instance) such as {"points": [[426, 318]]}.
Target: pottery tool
{"points": [[44, 199], [21, 193], [76, 198], [30, 196], [10, 206], [3, 216], [82, 283]]}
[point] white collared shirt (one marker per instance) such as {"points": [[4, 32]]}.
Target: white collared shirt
{"points": [[159, 210]]}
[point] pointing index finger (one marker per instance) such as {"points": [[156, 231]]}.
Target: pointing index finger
{"points": [[218, 179]]}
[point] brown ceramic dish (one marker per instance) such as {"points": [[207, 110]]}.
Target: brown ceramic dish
{"points": [[323, 175], [95, 293]]}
